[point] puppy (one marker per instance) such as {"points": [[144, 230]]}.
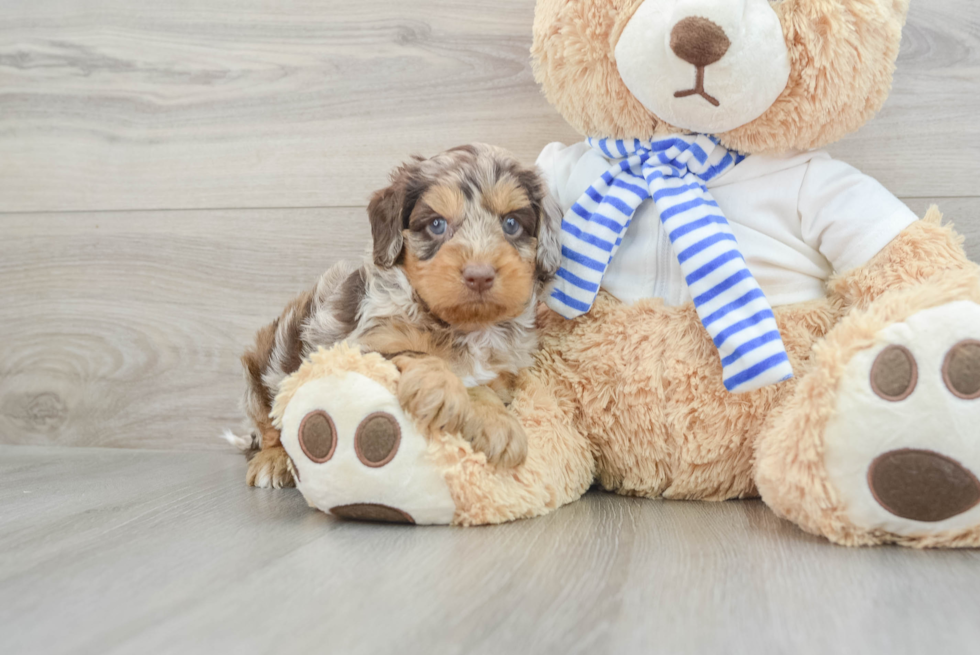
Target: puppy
{"points": [[463, 244]]}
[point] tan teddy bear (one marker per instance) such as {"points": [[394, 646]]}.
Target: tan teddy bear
{"points": [[749, 316]]}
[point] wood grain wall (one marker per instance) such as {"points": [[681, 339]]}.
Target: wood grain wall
{"points": [[172, 172]]}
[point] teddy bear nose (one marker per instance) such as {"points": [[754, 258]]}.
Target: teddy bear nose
{"points": [[479, 277], [699, 41]]}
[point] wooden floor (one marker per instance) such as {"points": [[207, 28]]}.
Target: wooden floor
{"points": [[122, 551], [171, 173]]}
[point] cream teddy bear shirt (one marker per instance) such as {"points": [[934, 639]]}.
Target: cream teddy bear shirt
{"points": [[798, 219]]}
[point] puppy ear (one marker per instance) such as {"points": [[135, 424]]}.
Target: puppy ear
{"points": [[549, 214], [385, 214], [549, 235], [389, 210]]}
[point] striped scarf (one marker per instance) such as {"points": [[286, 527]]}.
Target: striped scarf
{"points": [[673, 173]]}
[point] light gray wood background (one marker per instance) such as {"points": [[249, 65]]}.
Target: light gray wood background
{"points": [[172, 172]]}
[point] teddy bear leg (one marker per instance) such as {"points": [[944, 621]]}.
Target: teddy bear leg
{"points": [[559, 467], [357, 454], [880, 441]]}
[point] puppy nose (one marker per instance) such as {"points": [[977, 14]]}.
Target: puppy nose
{"points": [[479, 277], [698, 41]]}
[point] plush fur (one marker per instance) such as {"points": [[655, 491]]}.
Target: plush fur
{"points": [[790, 470]]}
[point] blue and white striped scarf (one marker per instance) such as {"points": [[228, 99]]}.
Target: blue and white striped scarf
{"points": [[673, 173]]}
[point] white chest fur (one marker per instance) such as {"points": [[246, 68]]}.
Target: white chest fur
{"points": [[493, 351]]}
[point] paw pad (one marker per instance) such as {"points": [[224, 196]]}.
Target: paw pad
{"points": [[894, 374], [376, 439], [358, 456], [961, 369], [922, 485], [911, 468], [372, 512], [318, 436]]}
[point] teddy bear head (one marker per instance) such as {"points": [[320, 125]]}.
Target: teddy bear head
{"points": [[764, 76]]}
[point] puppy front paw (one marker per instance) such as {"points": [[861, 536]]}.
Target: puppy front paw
{"points": [[270, 469], [497, 433], [432, 393]]}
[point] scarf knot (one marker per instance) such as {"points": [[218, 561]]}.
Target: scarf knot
{"points": [[673, 173]]}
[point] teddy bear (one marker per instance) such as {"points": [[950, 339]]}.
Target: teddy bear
{"points": [[737, 314]]}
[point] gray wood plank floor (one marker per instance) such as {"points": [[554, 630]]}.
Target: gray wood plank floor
{"points": [[124, 329], [115, 551]]}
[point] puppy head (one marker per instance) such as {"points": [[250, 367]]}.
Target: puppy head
{"points": [[473, 230]]}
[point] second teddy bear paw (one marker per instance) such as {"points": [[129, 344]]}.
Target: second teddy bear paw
{"points": [[357, 455], [903, 451]]}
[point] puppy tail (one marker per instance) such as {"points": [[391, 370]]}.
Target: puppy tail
{"points": [[248, 444]]}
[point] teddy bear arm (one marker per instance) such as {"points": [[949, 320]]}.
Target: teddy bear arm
{"points": [[924, 251]]}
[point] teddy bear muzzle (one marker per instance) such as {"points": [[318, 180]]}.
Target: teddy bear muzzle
{"points": [[700, 42], [704, 65]]}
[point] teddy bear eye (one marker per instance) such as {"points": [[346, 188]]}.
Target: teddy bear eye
{"points": [[437, 227], [511, 226]]}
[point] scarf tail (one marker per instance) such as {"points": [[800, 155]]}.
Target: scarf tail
{"points": [[673, 173]]}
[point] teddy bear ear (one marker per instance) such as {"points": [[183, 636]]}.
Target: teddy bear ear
{"points": [[573, 59]]}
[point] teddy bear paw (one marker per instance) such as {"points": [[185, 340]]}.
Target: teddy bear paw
{"points": [[903, 450], [355, 454]]}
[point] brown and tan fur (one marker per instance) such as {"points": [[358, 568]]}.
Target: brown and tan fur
{"points": [[458, 347]]}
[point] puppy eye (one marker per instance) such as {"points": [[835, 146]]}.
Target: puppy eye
{"points": [[511, 226], [438, 226]]}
